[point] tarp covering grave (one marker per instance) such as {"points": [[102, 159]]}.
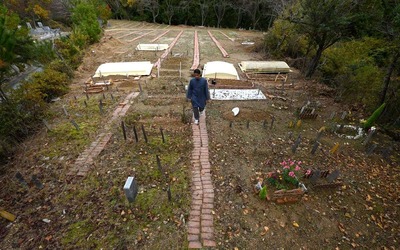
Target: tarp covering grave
{"points": [[152, 47], [236, 94], [274, 67], [220, 70], [124, 68]]}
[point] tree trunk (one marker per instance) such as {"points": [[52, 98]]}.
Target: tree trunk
{"points": [[386, 79], [314, 62]]}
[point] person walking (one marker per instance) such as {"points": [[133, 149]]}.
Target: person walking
{"points": [[198, 94]]}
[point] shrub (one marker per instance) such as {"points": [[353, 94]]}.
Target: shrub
{"points": [[50, 83], [84, 18], [352, 68]]}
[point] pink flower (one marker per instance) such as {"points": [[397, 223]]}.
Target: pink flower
{"points": [[283, 163], [291, 174], [299, 162], [291, 163], [286, 167], [297, 168], [308, 172]]}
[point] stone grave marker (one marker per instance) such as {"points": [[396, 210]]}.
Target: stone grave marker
{"points": [[315, 176], [136, 135], [371, 132], [36, 181], [65, 111], [162, 135], [123, 130], [290, 135], [333, 114], [333, 176], [296, 144], [131, 189], [386, 153], [169, 193], [144, 134], [101, 106], [21, 179], [272, 121], [315, 147], [371, 149], [344, 114], [46, 124], [75, 124]]}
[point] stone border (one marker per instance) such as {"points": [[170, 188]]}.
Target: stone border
{"points": [[86, 158], [201, 218]]}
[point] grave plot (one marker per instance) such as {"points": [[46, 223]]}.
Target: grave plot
{"points": [[257, 70]]}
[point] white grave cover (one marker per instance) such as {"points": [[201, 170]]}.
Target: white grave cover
{"points": [[124, 68], [220, 70]]}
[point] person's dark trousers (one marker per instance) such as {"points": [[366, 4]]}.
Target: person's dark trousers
{"points": [[196, 112]]}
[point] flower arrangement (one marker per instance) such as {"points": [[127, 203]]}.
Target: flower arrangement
{"points": [[287, 177]]}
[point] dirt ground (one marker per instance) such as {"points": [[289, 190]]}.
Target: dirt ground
{"points": [[72, 212]]}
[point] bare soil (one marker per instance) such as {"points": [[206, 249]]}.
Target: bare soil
{"points": [[72, 212]]}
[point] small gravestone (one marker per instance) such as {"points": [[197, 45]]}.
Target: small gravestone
{"points": [[315, 176], [162, 135], [65, 111], [21, 179], [333, 176], [46, 125], [344, 115], [36, 181], [75, 124], [135, 132], [101, 106], [371, 149], [272, 121], [386, 153], [144, 134], [296, 144], [315, 147], [332, 115], [369, 136], [131, 189], [290, 135], [123, 130], [169, 193]]}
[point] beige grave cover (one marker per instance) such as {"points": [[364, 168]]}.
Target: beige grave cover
{"points": [[264, 67], [220, 70], [124, 68]]}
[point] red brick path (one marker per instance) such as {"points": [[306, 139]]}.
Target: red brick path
{"points": [[86, 158], [201, 218]]}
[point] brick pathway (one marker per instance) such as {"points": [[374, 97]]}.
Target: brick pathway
{"points": [[86, 158], [200, 224]]}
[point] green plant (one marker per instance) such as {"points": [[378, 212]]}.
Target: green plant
{"points": [[263, 193], [368, 124]]}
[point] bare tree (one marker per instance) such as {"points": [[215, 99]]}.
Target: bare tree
{"points": [[184, 6], [204, 8], [153, 6], [256, 9], [220, 7], [169, 10]]}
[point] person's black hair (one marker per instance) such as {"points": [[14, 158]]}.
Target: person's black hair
{"points": [[197, 71]]}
